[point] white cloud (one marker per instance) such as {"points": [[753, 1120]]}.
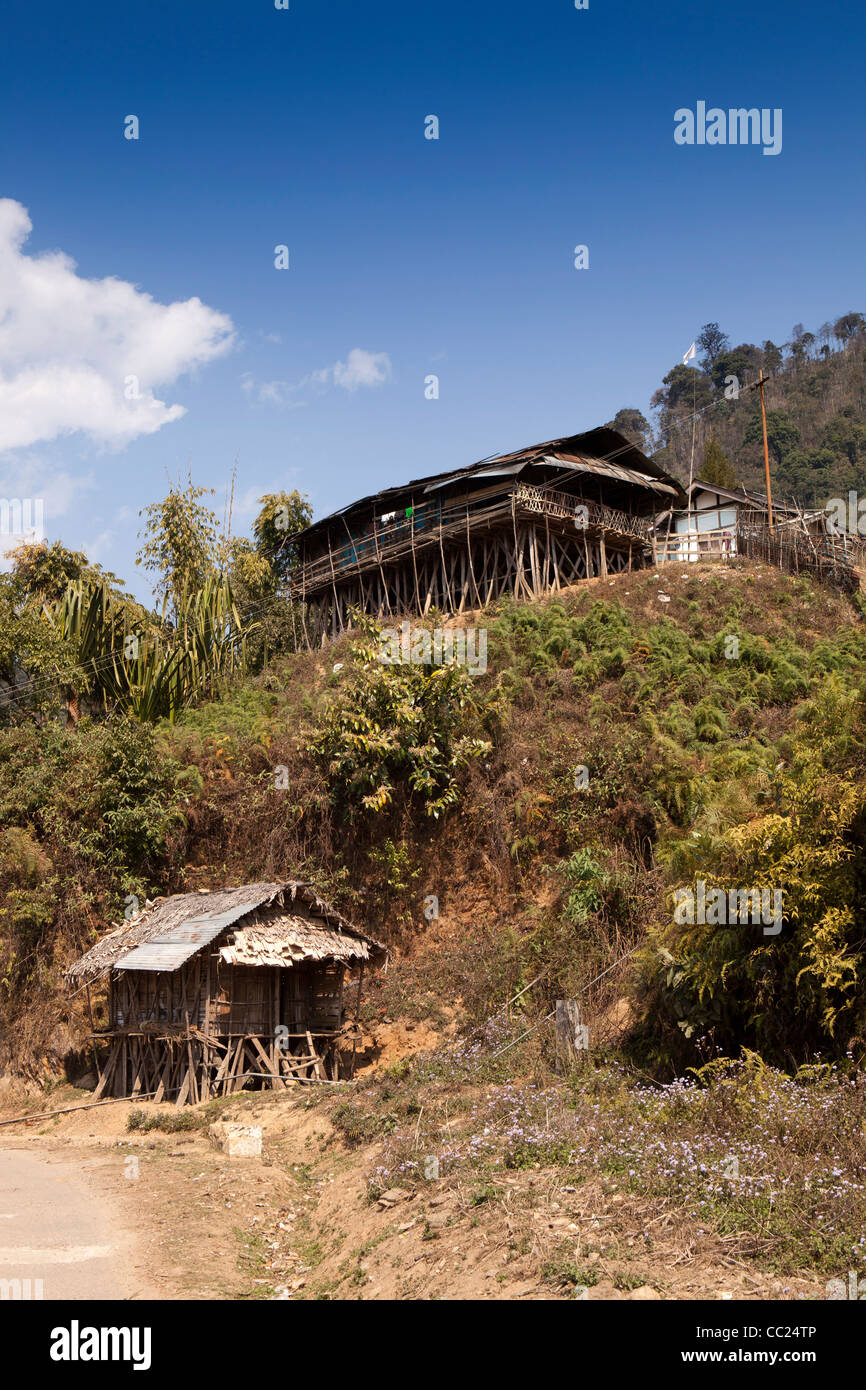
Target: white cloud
{"points": [[28, 477], [361, 368], [96, 550], [70, 347]]}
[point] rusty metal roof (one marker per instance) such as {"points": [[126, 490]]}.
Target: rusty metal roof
{"points": [[603, 445], [171, 947], [608, 470]]}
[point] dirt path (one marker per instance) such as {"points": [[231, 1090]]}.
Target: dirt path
{"points": [[58, 1226], [99, 1211]]}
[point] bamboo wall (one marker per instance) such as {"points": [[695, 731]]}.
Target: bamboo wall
{"points": [[528, 548], [204, 1029]]}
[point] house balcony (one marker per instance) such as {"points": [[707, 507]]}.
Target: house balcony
{"points": [[435, 524]]}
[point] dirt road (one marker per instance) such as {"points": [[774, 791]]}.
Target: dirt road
{"points": [[58, 1227]]}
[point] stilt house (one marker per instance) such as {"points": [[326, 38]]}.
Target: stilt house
{"points": [[526, 523], [209, 990]]}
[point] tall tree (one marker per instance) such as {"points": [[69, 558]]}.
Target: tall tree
{"points": [[180, 543], [717, 467], [43, 571], [782, 433], [849, 326], [634, 425], [741, 362], [772, 356], [282, 516], [712, 341]]}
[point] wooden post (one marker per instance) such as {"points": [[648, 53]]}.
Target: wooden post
{"points": [[386, 603], [358, 562], [415, 562], [761, 380], [334, 587], [569, 1034], [471, 566], [356, 1018]]}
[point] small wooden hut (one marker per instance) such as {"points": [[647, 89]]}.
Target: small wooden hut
{"points": [[208, 990]]}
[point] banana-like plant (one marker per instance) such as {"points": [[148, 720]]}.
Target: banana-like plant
{"points": [[149, 668]]}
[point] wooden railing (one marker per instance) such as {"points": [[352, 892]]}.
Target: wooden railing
{"points": [[719, 544], [592, 515]]}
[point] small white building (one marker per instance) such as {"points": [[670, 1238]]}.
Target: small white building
{"points": [[707, 527]]}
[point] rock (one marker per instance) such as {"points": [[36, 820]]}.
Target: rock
{"points": [[237, 1141], [88, 1081], [645, 1293], [393, 1196], [437, 1220]]}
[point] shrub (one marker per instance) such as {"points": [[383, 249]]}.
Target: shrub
{"points": [[412, 728]]}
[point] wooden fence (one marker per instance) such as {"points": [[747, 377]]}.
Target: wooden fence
{"points": [[798, 552], [788, 546]]}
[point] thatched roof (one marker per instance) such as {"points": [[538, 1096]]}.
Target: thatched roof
{"points": [[171, 930], [279, 938]]}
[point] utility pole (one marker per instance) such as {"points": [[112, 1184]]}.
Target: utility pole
{"points": [[760, 384]]}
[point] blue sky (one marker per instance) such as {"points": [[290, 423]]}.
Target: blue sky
{"points": [[408, 257]]}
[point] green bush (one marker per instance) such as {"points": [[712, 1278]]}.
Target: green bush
{"points": [[405, 727]]}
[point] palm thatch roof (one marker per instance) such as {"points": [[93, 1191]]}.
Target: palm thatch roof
{"points": [[282, 939], [292, 924]]}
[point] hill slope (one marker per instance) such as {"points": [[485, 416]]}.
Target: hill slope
{"points": [[629, 754]]}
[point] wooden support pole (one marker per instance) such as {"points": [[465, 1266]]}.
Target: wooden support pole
{"points": [[471, 566], [357, 1016], [761, 380], [415, 561], [334, 587], [569, 1034]]}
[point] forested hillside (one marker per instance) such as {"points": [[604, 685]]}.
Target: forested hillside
{"points": [[614, 753], [816, 412], [517, 837]]}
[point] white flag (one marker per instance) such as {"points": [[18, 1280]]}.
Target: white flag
{"points": [[689, 355]]}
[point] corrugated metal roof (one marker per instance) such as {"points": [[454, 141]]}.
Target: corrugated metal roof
{"points": [[608, 470], [603, 443], [171, 930], [170, 948], [506, 471]]}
